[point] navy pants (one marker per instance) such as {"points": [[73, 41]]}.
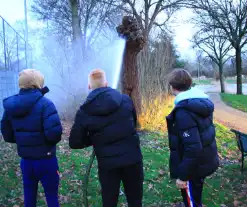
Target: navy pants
{"points": [[192, 195], [132, 178], [45, 171]]}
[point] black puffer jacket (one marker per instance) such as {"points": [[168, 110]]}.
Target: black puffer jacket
{"points": [[192, 139], [107, 120]]}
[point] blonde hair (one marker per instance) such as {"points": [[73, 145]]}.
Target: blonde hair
{"points": [[97, 79], [31, 78]]}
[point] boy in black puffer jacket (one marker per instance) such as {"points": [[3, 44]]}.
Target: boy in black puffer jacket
{"points": [[107, 121], [31, 121], [193, 150]]}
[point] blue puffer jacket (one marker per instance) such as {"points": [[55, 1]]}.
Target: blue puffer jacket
{"points": [[107, 120], [193, 150], [31, 121]]}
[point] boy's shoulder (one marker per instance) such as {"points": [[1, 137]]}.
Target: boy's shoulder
{"points": [[126, 98], [10, 97], [203, 107], [46, 101], [194, 102]]}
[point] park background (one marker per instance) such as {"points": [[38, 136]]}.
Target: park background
{"points": [[66, 39]]}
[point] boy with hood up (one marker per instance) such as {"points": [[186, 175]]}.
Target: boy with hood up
{"points": [[31, 121], [193, 150], [107, 121]]}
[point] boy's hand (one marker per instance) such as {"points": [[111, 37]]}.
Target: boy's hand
{"points": [[181, 184]]}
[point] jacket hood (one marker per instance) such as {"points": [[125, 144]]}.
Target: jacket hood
{"points": [[20, 104], [102, 101], [200, 106], [195, 101], [190, 94]]}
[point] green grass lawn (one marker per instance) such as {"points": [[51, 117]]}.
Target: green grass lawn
{"points": [[236, 101], [202, 82], [224, 187], [232, 81]]}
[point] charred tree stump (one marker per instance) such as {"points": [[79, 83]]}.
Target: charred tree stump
{"points": [[130, 30]]}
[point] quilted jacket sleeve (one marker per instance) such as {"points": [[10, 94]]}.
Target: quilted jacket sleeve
{"points": [[79, 138], [51, 123], [192, 147], [7, 130]]}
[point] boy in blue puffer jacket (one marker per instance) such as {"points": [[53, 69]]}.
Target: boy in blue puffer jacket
{"points": [[193, 150], [31, 121]]}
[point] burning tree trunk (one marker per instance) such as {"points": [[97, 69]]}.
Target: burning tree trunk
{"points": [[130, 30]]}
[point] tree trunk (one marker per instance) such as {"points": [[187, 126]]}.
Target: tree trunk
{"points": [[77, 33], [130, 30], [222, 79], [130, 78], [239, 70], [76, 27]]}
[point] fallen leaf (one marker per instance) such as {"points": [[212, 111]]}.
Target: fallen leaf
{"points": [[236, 203], [150, 186], [161, 172]]}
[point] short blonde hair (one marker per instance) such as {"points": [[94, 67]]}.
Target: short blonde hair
{"points": [[31, 78], [97, 78]]}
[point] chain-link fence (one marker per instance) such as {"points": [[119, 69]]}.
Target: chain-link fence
{"points": [[15, 55]]}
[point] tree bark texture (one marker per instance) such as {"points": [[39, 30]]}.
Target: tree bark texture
{"points": [[76, 27], [222, 79], [130, 30], [77, 34], [130, 79], [239, 70]]}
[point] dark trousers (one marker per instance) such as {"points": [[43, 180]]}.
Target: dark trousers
{"points": [[132, 178], [192, 195], [45, 171]]}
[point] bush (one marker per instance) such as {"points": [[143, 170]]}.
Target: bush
{"points": [[153, 117]]}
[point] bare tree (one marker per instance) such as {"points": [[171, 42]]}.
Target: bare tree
{"points": [[12, 48], [230, 17], [56, 11], [147, 11], [153, 67], [199, 61], [81, 20], [216, 47], [8, 53]]}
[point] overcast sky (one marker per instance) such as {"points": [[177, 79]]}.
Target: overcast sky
{"points": [[13, 10]]}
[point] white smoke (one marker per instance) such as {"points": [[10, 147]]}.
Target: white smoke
{"points": [[69, 84]]}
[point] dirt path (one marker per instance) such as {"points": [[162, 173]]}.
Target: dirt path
{"points": [[228, 116]]}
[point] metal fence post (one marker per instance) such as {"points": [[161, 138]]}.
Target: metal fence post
{"points": [[22, 61], [18, 63], [31, 57], [26, 35], [4, 45], [26, 53]]}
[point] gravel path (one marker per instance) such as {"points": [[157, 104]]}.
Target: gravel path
{"points": [[227, 115]]}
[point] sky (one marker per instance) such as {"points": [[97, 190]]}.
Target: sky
{"points": [[13, 10], [183, 31]]}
